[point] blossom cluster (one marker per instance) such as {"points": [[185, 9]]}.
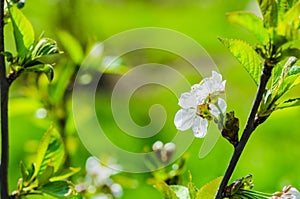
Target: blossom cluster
{"points": [[98, 181], [202, 104]]}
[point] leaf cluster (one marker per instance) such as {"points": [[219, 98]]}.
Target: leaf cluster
{"points": [[32, 56], [46, 175], [208, 191], [277, 50]]}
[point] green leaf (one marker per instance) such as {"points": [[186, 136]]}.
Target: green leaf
{"points": [[291, 52], [9, 56], [61, 84], [23, 170], [46, 175], [45, 47], [50, 151], [250, 22], [246, 55], [72, 46], [269, 11], [283, 6], [288, 68], [289, 82], [289, 32], [26, 173], [166, 190], [47, 69], [105, 64], [292, 15], [66, 173], [294, 70], [289, 103], [58, 189], [180, 191], [279, 79], [209, 190], [192, 188], [23, 31]]}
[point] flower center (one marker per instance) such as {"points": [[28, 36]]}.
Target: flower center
{"points": [[203, 111]]}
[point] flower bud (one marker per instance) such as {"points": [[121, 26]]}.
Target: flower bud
{"points": [[164, 152], [231, 128]]}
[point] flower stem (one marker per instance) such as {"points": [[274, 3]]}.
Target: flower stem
{"points": [[250, 127]]}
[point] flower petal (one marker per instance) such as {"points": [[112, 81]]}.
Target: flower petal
{"points": [[215, 111], [184, 119], [293, 193], [195, 88], [216, 77], [222, 104], [188, 100], [200, 127], [202, 93], [208, 85], [214, 84], [222, 88]]}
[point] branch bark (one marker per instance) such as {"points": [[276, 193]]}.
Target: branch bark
{"points": [[249, 128], [4, 89]]}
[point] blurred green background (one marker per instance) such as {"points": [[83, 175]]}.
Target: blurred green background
{"points": [[272, 154]]}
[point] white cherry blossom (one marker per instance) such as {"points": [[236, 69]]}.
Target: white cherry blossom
{"points": [[293, 193], [201, 104], [288, 192]]}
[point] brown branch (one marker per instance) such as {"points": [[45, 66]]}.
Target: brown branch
{"points": [[250, 127], [4, 89]]}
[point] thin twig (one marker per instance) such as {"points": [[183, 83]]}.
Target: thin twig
{"points": [[250, 127], [4, 89]]}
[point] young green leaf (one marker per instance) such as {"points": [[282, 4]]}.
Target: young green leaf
{"points": [[72, 46], [44, 47], [288, 83], [289, 31], [66, 173], [209, 190], [192, 188], [46, 175], [51, 150], [291, 52], [245, 54], [250, 22], [289, 103], [180, 191], [269, 11], [58, 189], [292, 15], [283, 6], [47, 69], [295, 70], [166, 190], [23, 170], [61, 84], [23, 31], [27, 174]]}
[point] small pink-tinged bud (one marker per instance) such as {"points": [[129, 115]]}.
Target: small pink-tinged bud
{"points": [[164, 152]]}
